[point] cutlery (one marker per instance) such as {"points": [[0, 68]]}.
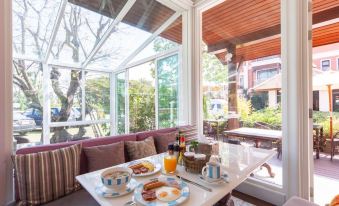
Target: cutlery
{"points": [[194, 183], [130, 203]]}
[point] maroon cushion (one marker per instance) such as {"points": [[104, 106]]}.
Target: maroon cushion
{"points": [[100, 157], [143, 135], [163, 139]]}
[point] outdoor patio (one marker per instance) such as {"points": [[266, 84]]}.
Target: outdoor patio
{"points": [[325, 176]]}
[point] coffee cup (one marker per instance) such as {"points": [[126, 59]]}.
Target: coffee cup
{"points": [[211, 170]]}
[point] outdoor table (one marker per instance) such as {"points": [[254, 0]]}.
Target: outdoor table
{"points": [[257, 135], [318, 138], [237, 160]]}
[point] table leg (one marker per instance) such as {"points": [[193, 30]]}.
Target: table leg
{"points": [[317, 143], [267, 166], [269, 169]]}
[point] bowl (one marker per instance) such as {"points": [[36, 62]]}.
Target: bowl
{"points": [[117, 177]]}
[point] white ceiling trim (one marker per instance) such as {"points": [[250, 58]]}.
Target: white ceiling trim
{"points": [[108, 32], [150, 39], [55, 30]]}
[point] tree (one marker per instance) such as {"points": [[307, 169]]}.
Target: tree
{"points": [[25, 11]]}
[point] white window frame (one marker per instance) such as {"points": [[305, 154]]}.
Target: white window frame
{"points": [[321, 64], [263, 70], [161, 55], [296, 61]]}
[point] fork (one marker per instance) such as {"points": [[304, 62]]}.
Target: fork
{"points": [[130, 203]]}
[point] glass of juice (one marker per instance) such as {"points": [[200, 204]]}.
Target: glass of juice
{"points": [[170, 163]]}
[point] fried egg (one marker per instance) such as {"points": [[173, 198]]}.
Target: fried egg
{"points": [[168, 194]]}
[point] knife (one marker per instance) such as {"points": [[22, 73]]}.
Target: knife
{"points": [[194, 183]]}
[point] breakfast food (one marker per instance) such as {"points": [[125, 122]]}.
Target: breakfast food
{"points": [[163, 191], [116, 175], [149, 195], [168, 194], [153, 185], [142, 167], [335, 201]]}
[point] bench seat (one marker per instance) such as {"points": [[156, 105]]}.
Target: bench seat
{"points": [[78, 198]]}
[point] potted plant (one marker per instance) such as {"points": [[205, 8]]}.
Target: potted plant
{"points": [[194, 146]]}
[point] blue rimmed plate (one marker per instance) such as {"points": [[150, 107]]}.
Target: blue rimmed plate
{"points": [[157, 168], [184, 195], [108, 192]]}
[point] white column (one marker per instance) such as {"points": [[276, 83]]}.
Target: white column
{"points": [[6, 120], [46, 120], [272, 98], [296, 96]]}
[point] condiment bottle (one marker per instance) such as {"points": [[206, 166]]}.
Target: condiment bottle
{"points": [[176, 150], [170, 149]]}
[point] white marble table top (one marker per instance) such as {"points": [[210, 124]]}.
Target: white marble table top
{"points": [[237, 160]]}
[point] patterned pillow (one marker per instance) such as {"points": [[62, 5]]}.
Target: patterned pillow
{"points": [[47, 176], [140, 149], [100, 157], [163, 139]]}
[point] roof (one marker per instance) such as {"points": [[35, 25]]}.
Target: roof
{"points": [[147, 15], [253, 26]]}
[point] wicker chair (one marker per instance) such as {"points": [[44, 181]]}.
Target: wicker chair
{"points": [[334, 144]]}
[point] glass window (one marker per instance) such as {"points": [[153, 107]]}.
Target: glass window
{"points": [[79, 32], [66, 95], [169, 39], [27, 103], [144, 18], [232, 49], [168, 91], [33, 23], [97, 96], [325, 65], [265, 74], [142, 97], [74, 133], [120, 102]]}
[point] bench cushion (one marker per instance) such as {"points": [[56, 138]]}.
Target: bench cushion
{"points": [[102, 156], [78, 198], [140, 149], [46, 176]]}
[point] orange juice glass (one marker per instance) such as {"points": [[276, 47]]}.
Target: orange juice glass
{"points": [[170, 163]]}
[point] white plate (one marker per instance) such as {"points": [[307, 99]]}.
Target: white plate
{"points": [[157, 168], [108, 192], [223, 179], [185, 192]]}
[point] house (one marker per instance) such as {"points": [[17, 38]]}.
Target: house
{"points": [[262, 75]]}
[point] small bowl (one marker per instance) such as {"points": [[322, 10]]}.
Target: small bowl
{"points": [[118, 182]]}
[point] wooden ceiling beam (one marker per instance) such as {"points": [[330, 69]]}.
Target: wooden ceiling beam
{"points": [[221, 46]]}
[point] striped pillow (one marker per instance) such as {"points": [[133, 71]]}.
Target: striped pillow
{"points": [[46, 176]]}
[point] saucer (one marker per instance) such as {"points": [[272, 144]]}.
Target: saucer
{"points": [[108, 192], [223, 179]]}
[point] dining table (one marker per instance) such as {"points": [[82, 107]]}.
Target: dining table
{"points": [[257, 135], [237, 162]]}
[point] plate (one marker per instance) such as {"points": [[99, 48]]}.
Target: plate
{"points": [[223, 179], [108, 192], [157, 168], [185, 192]]}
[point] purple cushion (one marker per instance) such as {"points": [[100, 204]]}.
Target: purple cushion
{"points": [[100, 157], [163, 139], [143, 135], [140, 149]]}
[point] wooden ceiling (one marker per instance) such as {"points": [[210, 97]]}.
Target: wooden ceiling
{"points": [[245, 22], [252, 25], [147, 15]]}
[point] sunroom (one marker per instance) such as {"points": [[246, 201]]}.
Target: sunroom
{"points": [[169, 102]]}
